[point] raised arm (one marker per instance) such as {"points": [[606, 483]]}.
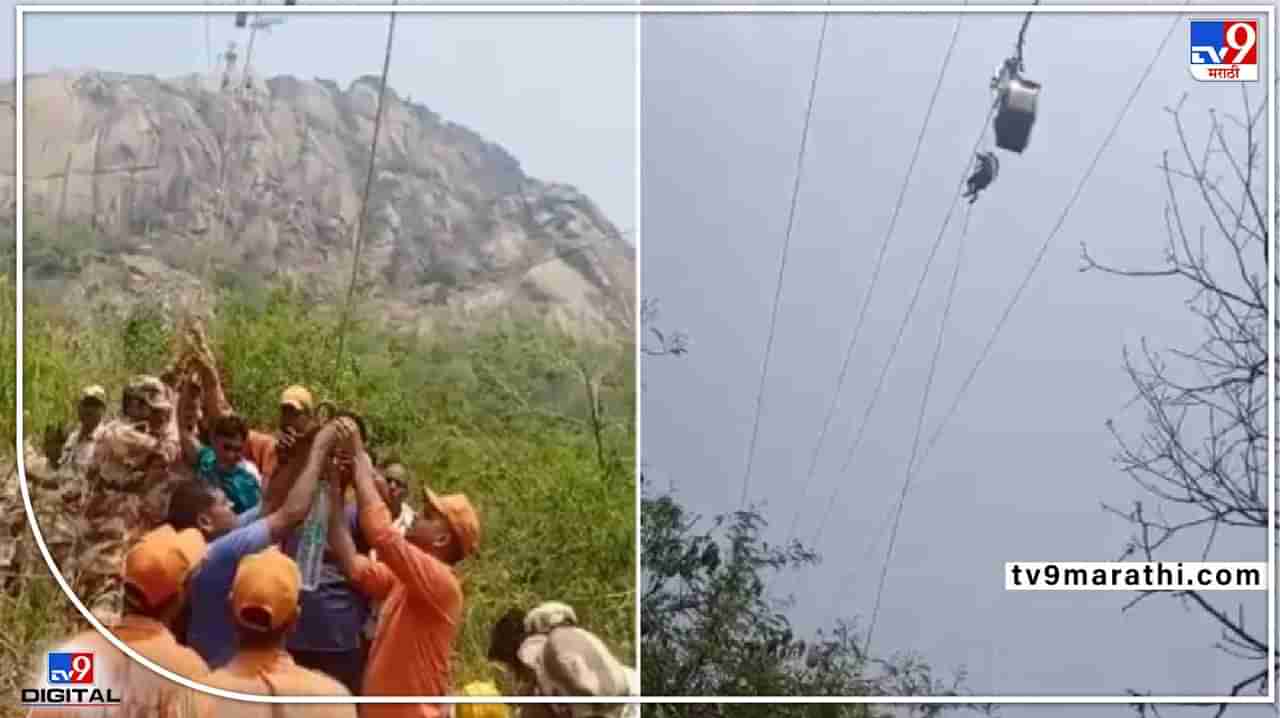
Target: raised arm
{"points": [[303, 491], [340, 540], [373, 579], [367, 496], [425, 576], [215, 399], [187, 426]]}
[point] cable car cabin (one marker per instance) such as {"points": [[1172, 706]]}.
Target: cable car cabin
{"points": [[1016, 115]]}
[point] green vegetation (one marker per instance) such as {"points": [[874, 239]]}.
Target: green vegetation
{"points": [[46, 253], [535, 425], [711, 627], [8, 368], [32, 611]]}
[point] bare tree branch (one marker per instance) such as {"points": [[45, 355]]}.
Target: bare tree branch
{"points": [[1201, 453]]}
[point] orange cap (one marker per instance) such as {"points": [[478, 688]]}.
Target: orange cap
{"points": [[462, 518], [298, 397], [269, 582], [158, 566]]}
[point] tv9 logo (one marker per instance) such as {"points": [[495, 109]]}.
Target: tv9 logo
{"points": [[70, 669], [72, 683], [1224, 50]]}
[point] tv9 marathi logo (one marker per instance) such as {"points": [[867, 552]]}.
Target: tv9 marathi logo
{"points": [[1224, 50], [70, 683]]}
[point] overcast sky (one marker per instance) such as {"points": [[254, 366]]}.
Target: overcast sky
{"points": [[1022, 470], [557, 92]]}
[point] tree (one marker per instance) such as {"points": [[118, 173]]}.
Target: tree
{"points": [[1201, 457], [710, 628], [677, 344]]}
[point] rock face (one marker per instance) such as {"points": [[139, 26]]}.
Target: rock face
{"points": [[267, 181]]}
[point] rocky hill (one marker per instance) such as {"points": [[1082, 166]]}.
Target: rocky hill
{"points": [[181, 181]]}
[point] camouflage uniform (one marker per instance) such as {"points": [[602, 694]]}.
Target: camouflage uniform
{"points": [[13, 524], [129, 494], [57, 495], [58, 500], [60, 523], [78, 454]]}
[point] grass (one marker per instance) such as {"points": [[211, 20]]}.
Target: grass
{"points": [[499, 410], [33, 611]]}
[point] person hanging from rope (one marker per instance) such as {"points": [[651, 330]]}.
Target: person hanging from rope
{"points": [[985, 173], [1012, 67]]}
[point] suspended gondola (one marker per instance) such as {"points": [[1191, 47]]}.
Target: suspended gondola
{"points": [[1017, 100]]}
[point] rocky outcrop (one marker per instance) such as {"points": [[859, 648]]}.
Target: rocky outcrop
{"points": [[180, 179]]}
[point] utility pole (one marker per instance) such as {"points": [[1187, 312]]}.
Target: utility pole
{"points": [[257, 23]]}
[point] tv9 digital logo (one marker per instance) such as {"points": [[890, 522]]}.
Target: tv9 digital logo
{"points": [[71, 683], [70, 669], [1224, 50]]}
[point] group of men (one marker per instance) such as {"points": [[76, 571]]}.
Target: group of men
{"points": [[186, 552], [190, 523]]}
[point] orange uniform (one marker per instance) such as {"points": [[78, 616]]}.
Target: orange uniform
{"points": [[156, 569], [265, 596], [273, 672], [421, 615], [141, 691]]}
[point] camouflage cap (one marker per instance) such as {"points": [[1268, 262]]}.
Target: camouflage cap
{"points": [[150, 390], [94, 393]]}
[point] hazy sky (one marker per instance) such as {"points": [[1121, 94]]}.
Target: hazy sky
{"points": [[557, 92], [1022, 470]]}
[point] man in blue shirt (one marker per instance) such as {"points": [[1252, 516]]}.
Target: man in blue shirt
{"points": [[196, 504], [329, 631], [328, 636]]}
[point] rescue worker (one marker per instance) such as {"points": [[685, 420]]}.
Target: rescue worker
{"points": [[59, 506], [195, 504], [15, 551], [61, 499], [394, 484], [154, 575], [415, 575], [982, 176], [328, 636], [77, 452], [570, 661], [264, 605], [127, 480]]}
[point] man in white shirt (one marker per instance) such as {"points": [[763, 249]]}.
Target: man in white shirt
{"points": [[397, 477]]}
